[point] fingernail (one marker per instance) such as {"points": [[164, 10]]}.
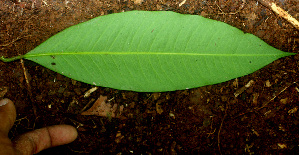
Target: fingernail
{"points": [[3, 102]]}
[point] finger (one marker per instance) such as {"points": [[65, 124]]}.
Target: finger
{"points": [[40, 139], [7, 116]]}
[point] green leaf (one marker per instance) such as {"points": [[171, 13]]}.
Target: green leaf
{"points": [[155, 51]]}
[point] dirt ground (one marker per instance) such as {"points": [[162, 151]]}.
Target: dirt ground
{"points": [[226, 118]]}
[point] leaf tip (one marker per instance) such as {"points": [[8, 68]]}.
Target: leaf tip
{"points": [[289, 54]]}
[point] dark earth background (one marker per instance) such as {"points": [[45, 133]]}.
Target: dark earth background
{"points": [[226, 118]]}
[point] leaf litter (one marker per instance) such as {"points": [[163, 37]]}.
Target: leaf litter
{"points": [[103, 108]]}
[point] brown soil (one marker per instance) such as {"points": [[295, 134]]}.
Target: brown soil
{"points": [[262, 119]]}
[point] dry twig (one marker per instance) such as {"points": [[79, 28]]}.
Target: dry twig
{"points": [[282, 13], [265, 104], [218, 136], [28, 87]]}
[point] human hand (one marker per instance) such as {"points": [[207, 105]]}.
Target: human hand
{"points": [[34, 141]]}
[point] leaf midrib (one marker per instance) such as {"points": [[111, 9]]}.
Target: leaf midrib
{"points": [[146, 53]]}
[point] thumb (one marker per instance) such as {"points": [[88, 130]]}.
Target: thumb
{"points": [[7, 116]]}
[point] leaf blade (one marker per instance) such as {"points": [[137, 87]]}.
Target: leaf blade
{"points": [[153, 52]]}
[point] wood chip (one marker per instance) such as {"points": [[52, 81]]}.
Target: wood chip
{"points": [[282, 145], [236, 83], [183, 2], [87, 94], [159, 108], [284, 101], [249, 84], [255, 97], [239, 91], [268, 84], [293, 110], [138, 1], [242, 89]]}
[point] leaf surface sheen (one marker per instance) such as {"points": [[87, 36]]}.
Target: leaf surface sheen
{"points": [[153, 51]]}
